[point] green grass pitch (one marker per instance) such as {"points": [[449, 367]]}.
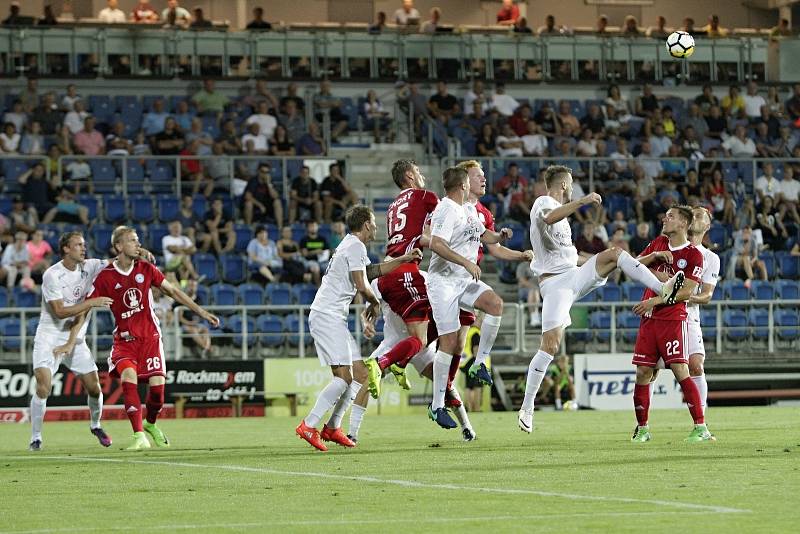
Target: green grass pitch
{"points": [[576, 473]]}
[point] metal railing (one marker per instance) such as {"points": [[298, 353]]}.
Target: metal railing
{"points": [[515, 337]]}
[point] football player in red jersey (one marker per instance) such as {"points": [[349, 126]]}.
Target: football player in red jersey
{"points": [[138, 353], [663, 332], [488, 302]]}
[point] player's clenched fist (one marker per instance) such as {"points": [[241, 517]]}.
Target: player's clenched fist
{"points": [[527, 255], [101, 302], [414, 255], [506, 234], [592, 198], [213, 320]]}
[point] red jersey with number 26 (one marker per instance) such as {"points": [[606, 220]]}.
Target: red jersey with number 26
{"points": [[686, 258], [405, 219], [487, 219], [132, 308]]}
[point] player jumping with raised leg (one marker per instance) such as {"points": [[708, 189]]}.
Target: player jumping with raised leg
{"points": [[562, 280]]}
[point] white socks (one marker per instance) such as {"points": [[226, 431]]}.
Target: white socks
{"points": [[536, 372], [95, 409], [489, 328], [441, 368], [638, 272], [38, 409], [702, 387], [356, 416], [328, 397], [461, 411], [343, 404]]}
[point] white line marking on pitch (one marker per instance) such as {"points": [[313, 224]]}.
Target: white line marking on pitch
{"points": [[404, 483], [314, 522]]}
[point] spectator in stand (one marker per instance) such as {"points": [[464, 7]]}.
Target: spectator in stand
{"points": [[89, 141], [70, 98], [291, 94], [432, 25], [504, 103], [601, 28], [763, 141], [204, 139], [622, 159], [770, 222], [640, 241], [706, 100], [659, 31], [153, 121], [549, 27], [519, 120], [688, 26], [753, 102], [294, 268], [191, 224], [293, 121], [534, 143], [614, 126], [280, 144], [209, 101], [336, 193], [407, 14], [262, 255], [48, 18], [588, 244], [511, 191], [528, 292], [315, 250], [379, 25], [324, 102], [692, 190], [719, 197], [16, 116], [40, 255], [48, 115], [789, 194], [75, 120], [647, 102], [717, 125], [338, 233], [183, 115], [261, 201], [767, 185], [14, 17], [566, 118], [304, 203], [793, 105], [473, 122], [178, 250], [112, 14], [15, 261], [695, 120], [774, 103], [770, 120], [442, 105], [267, 123], [144, 12], [228, 138], [508, 14], [713, 30], [9, 139], [594, 121], [509, 143], [739, 145], [587, 146], [169, 142], [486, 143], [220, 224], [745, 255], [477, 92], [193, 170], [254, 142], [199, 21], [116, 142], [732, 102], [644, 194], [258, 22], [29, 97], [521, 26], [378, 116], [262, 93], [36, 190], [191, 324], [547, 120], [32, 143], [311, 143], [631, 27], [620, 104], [781, 30], [176, 13], [659, 141]]}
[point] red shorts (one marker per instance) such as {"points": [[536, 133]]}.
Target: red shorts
{"points": [[146, 356], [404, 291], [659, 339]]}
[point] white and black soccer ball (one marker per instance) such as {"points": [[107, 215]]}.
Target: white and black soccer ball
{"points": [[680, 44]]}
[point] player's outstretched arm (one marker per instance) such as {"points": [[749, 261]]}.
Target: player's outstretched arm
{"points": [[65, 312], [182, 298], [66, 348], [376, 270], [659, 255], [490, 237], [504, 253], [683, 295], [440, 247], [565, 210]]}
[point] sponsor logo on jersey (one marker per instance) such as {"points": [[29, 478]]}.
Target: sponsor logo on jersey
{"points": [[139, 278], [133, 300]]}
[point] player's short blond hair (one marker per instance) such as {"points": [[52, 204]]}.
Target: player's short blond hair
{"points": [[470, 164], [119, 233]]}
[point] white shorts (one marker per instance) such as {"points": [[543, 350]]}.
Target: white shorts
{"points": [[561, 291], [394, 331], [695, 344], [79, 362], [447, 297], [334, 342]]}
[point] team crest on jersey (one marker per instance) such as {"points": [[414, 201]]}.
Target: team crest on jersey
{"points": [[681, 263], [139, 278], [76, 292]]}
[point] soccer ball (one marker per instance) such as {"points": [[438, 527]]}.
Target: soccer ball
{"points": [[680, 44], [571, 406]]}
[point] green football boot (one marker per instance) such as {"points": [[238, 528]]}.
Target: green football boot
{"points": [[374, 373], [158, 436], [641, 434], [400, 375], [138, 443], [700, 433]]}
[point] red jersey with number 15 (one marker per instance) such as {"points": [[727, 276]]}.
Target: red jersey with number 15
{"points": [[405, 219], [686, 258], [132, 308]]}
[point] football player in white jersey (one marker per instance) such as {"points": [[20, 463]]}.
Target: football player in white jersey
{"points": [[453, 277], [564, 278], [349, 272], [61, 332], [705, 290]]}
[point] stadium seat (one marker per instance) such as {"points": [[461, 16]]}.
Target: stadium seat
{"points": [[633, 291], [708, 322], [270, 330], [292, 329], [278, 295], [10, 332], [31, 325], [203, 295], [235, 325], [168, 208], [611, 292], [788, 289], [200, 206], [206, 265], [759, 320], [24, 298], [600, 323], [142, 209], [718, 234], [101, 236], [762, 290], [735, 290], [234, 268], [224, 295], [628, 322], [304, 294], [115, 209], [251, 294], [789, 266], [787, 323], [244, 233], [90, 203], [769, 261], [272, 232], [4, 297], [735, 322]]}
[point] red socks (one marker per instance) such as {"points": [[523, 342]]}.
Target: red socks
{"points": [[692, 397], [133, 405], [455, 363], [402, 351], [641, 403], [155, 400]]}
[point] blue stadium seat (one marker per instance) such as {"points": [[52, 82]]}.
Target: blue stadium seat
{"points": [[168, 208], [719, 234], [5, 204], [769, 261], [735, 290], [127, 102], [762, 290], [234, 268], [134, 171], [292, 329], [203, 295], [162, 178], [244, 233], [270, 330], [298, 231], [115, 208], [278, 295], [788, 289], [235, 325], [759, 320], [4, 297], [633, 291], [101, 236], [788, 265], [304, 294], [24, 298], [224, 295], [628, 322], [31, 325], [251, 294], [600, 322], [611, 292], [788, 324], [142, 209], [10, 331], [200, 206], [708, 322], [156, 233], [91, 204], [13, 168], [206, 265], [735, 322]]}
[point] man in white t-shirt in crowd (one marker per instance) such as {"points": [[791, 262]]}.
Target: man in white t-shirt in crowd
{"points": [[789, 194], [254, 142], [407, 14], [565, 277], [60, 336], [454, 277], [753, 102], [767, 185], [505, 104], [534, 143], [178, 250], [739, 145], [112, 14], [349, 272], [476, 93], [509, 144], [266, 122]]}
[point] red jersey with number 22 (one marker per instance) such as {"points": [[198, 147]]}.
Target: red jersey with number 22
{"points": [[686, 258], [487, 219], [132, 308], [405, 219]]}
